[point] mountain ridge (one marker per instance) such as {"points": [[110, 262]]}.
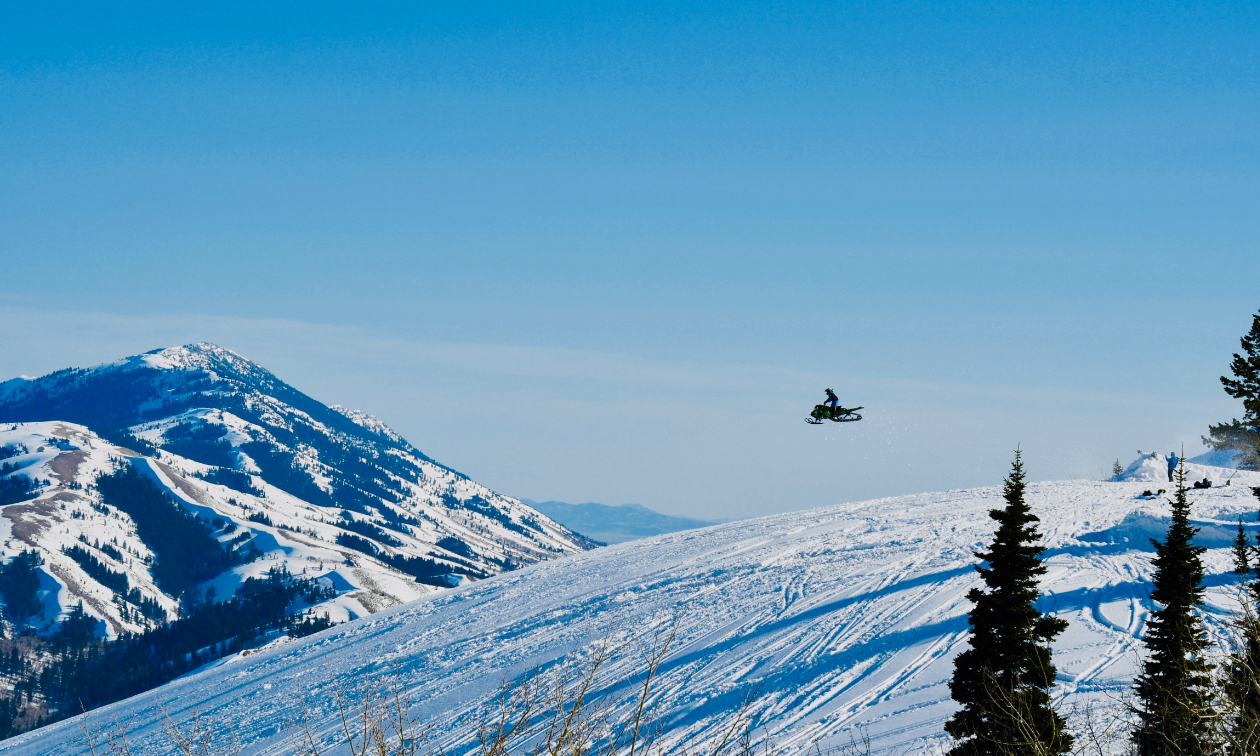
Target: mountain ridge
{"points": [[223, 436], [615, 524]]}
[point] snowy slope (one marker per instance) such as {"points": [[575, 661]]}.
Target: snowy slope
{"points": [[67, 513], [844, 617], [241, 442]]}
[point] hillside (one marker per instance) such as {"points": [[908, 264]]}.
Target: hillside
{"points": [[281, 479], [844, 619]]}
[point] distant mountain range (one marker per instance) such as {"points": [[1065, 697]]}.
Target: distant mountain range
{"points": [[614, 524], [275, 477]]}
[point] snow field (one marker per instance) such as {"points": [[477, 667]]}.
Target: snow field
{"points": [[844, 620]]}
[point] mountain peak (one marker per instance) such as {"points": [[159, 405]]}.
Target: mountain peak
{"points": [[198, 355], [216, 416], [216, 362]]}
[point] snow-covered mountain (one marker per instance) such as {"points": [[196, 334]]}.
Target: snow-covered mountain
{"points": [[843, 620], [321, 490]]}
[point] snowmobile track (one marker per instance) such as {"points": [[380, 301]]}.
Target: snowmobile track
{"points": [[845, 619]]}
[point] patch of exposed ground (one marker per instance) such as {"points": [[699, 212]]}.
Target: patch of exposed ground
{"points": [[277, 642], [62, 431], [31, 519], [303, 539], [76, 590], [373, 598], [369, 601], [189, 489], [66, 465]]}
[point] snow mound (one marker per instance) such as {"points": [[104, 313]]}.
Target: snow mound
{"points": [[1154, 468], [1219, 458], [844, 619]]}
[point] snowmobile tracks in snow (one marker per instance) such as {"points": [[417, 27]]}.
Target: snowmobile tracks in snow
{"points": [[844, 619]]}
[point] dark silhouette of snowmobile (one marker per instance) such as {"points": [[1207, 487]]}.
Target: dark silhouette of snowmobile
{"points": [[834, 414]]}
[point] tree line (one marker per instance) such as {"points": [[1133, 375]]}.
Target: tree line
{"points": [[72, 670], [55, 676], [1183, 704]]}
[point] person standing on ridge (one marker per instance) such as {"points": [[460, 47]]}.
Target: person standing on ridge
{"points": [[1172, 465], [832, 399]]}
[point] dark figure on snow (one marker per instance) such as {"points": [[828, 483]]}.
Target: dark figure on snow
{"points": [[832, 399], [1172, 466]]}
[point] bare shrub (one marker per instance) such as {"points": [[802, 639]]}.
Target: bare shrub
{"points": [[1102, 729], [574, 710], [568, 713], [201, 738], [859, 745], [380, 725], [110, 740], [1097, 729], [737, 734], [1236, 685]]}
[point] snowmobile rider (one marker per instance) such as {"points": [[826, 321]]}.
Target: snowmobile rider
{"points": [[832, 399], [1172, 466]]}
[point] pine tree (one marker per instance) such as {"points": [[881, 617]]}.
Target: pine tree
{"points": [[1117, 470], [1255, 556], [1003, 680], [1245, 384], [1174, 708], [1242, 552], [1243, 435]]}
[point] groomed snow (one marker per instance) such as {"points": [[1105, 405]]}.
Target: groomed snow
{"points": [[843, 619]]}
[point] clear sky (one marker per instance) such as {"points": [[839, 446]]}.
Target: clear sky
{"points": [[614, 252]]}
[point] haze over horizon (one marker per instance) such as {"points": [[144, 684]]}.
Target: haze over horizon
{"points": [[616, 254]]}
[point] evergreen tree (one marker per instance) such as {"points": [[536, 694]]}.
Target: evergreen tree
{"points": [[1243, 435], [1242, 675], [1117, 469], [1174, 708], [1245, 384], [1242, 552], [1003, 680], [1254, 551], [19, 584]]}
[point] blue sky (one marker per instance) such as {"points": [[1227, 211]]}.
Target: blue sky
{"points": [[614, 253]]}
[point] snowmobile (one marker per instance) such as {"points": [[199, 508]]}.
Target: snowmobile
{"points": [[836, 415]]}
